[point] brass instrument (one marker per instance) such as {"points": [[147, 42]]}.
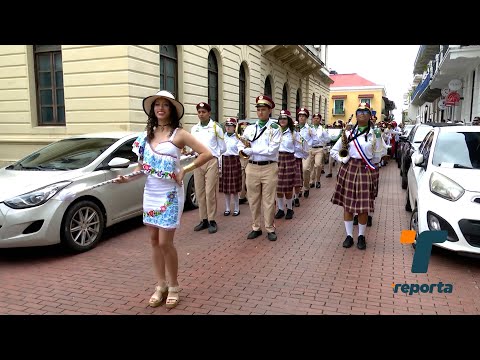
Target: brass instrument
{"points": [[242, 139], [344, 150]]}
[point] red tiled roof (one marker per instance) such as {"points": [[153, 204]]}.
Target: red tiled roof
{"points": [[349, 80]]}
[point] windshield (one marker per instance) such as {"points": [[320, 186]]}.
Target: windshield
{"points": [[466, 154], [420, 133], [68, 154]]}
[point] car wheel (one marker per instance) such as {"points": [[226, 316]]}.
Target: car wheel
{"points": [[414, 224], [190, 197], [82, 226], [408, 206], [404, 180]]}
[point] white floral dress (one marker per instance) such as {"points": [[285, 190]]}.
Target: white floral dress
{"points": [[163, 198]]}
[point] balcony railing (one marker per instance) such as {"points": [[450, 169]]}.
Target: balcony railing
{"points": [[421, 87]]}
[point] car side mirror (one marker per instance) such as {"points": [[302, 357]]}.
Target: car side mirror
{"points": [[418, 159], [119, 162]]}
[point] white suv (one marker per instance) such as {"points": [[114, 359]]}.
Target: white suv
{"points": [[444, 187]]}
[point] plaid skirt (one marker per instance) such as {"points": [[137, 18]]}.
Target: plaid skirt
{"points": [[286, 172], [355, 189], [298, 182], [231, 180]]}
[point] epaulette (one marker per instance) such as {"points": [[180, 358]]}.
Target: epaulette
{"points": [[274, 125]]}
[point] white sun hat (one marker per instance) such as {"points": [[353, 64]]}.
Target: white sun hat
{"points": [[149, 100]]}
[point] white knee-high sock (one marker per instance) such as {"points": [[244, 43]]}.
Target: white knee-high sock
{"points": [[280, 203], [349, 227], [289, 203], [235, 202], [361, 229], [227, 202]]}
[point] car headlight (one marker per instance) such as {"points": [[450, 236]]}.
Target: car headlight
{"points": [[37, 197], [444, 187]]}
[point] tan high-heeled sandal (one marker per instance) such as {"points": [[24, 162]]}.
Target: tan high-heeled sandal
{"points": [[158, 296], [173, 298]]}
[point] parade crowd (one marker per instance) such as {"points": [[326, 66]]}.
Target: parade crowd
{"points": [[269, 163]]}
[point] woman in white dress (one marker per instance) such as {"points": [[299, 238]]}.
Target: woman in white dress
{"points": [[159, 150]]}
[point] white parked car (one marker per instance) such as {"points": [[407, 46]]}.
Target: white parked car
{"points": [[33, 211], [444, 187]]}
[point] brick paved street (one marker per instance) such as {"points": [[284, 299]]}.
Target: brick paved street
{"points": [[306, 271]]}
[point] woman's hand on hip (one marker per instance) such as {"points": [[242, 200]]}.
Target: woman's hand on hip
{"points": [[180, 176]]}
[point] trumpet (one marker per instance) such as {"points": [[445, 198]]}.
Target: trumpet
{"points": [[243, 140]]}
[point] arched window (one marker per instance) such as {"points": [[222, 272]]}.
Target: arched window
{"points": [[169, 69], [297, 101], [268, 87], [213, 85], [313, 103], [285, 98], [242, 93]]}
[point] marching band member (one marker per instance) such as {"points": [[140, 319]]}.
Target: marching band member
{"points": [[310, 135], [355, 186], [231, 180], [378, 154], [208, 132], [286, 164], [301, 153], [318, 150], [260, 143]]}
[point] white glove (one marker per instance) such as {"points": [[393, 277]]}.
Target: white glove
{"points": [[345, 159], [247, 151]]}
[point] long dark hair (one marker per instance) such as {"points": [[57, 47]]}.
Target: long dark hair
{"points": [[290, 124], [152, 121]]}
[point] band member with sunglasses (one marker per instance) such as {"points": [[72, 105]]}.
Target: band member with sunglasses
{"points": [[355, 188]]}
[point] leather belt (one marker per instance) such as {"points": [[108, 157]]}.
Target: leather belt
{"points": [[317, 147], [261, 162]]}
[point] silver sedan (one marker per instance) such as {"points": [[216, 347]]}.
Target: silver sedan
{"points": [[33, 211]]}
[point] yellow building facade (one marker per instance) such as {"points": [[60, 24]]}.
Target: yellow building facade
{"points": [[50, 92], [348, 91]]}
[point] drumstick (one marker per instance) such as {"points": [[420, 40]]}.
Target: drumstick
{"points": [[72, 193]]}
